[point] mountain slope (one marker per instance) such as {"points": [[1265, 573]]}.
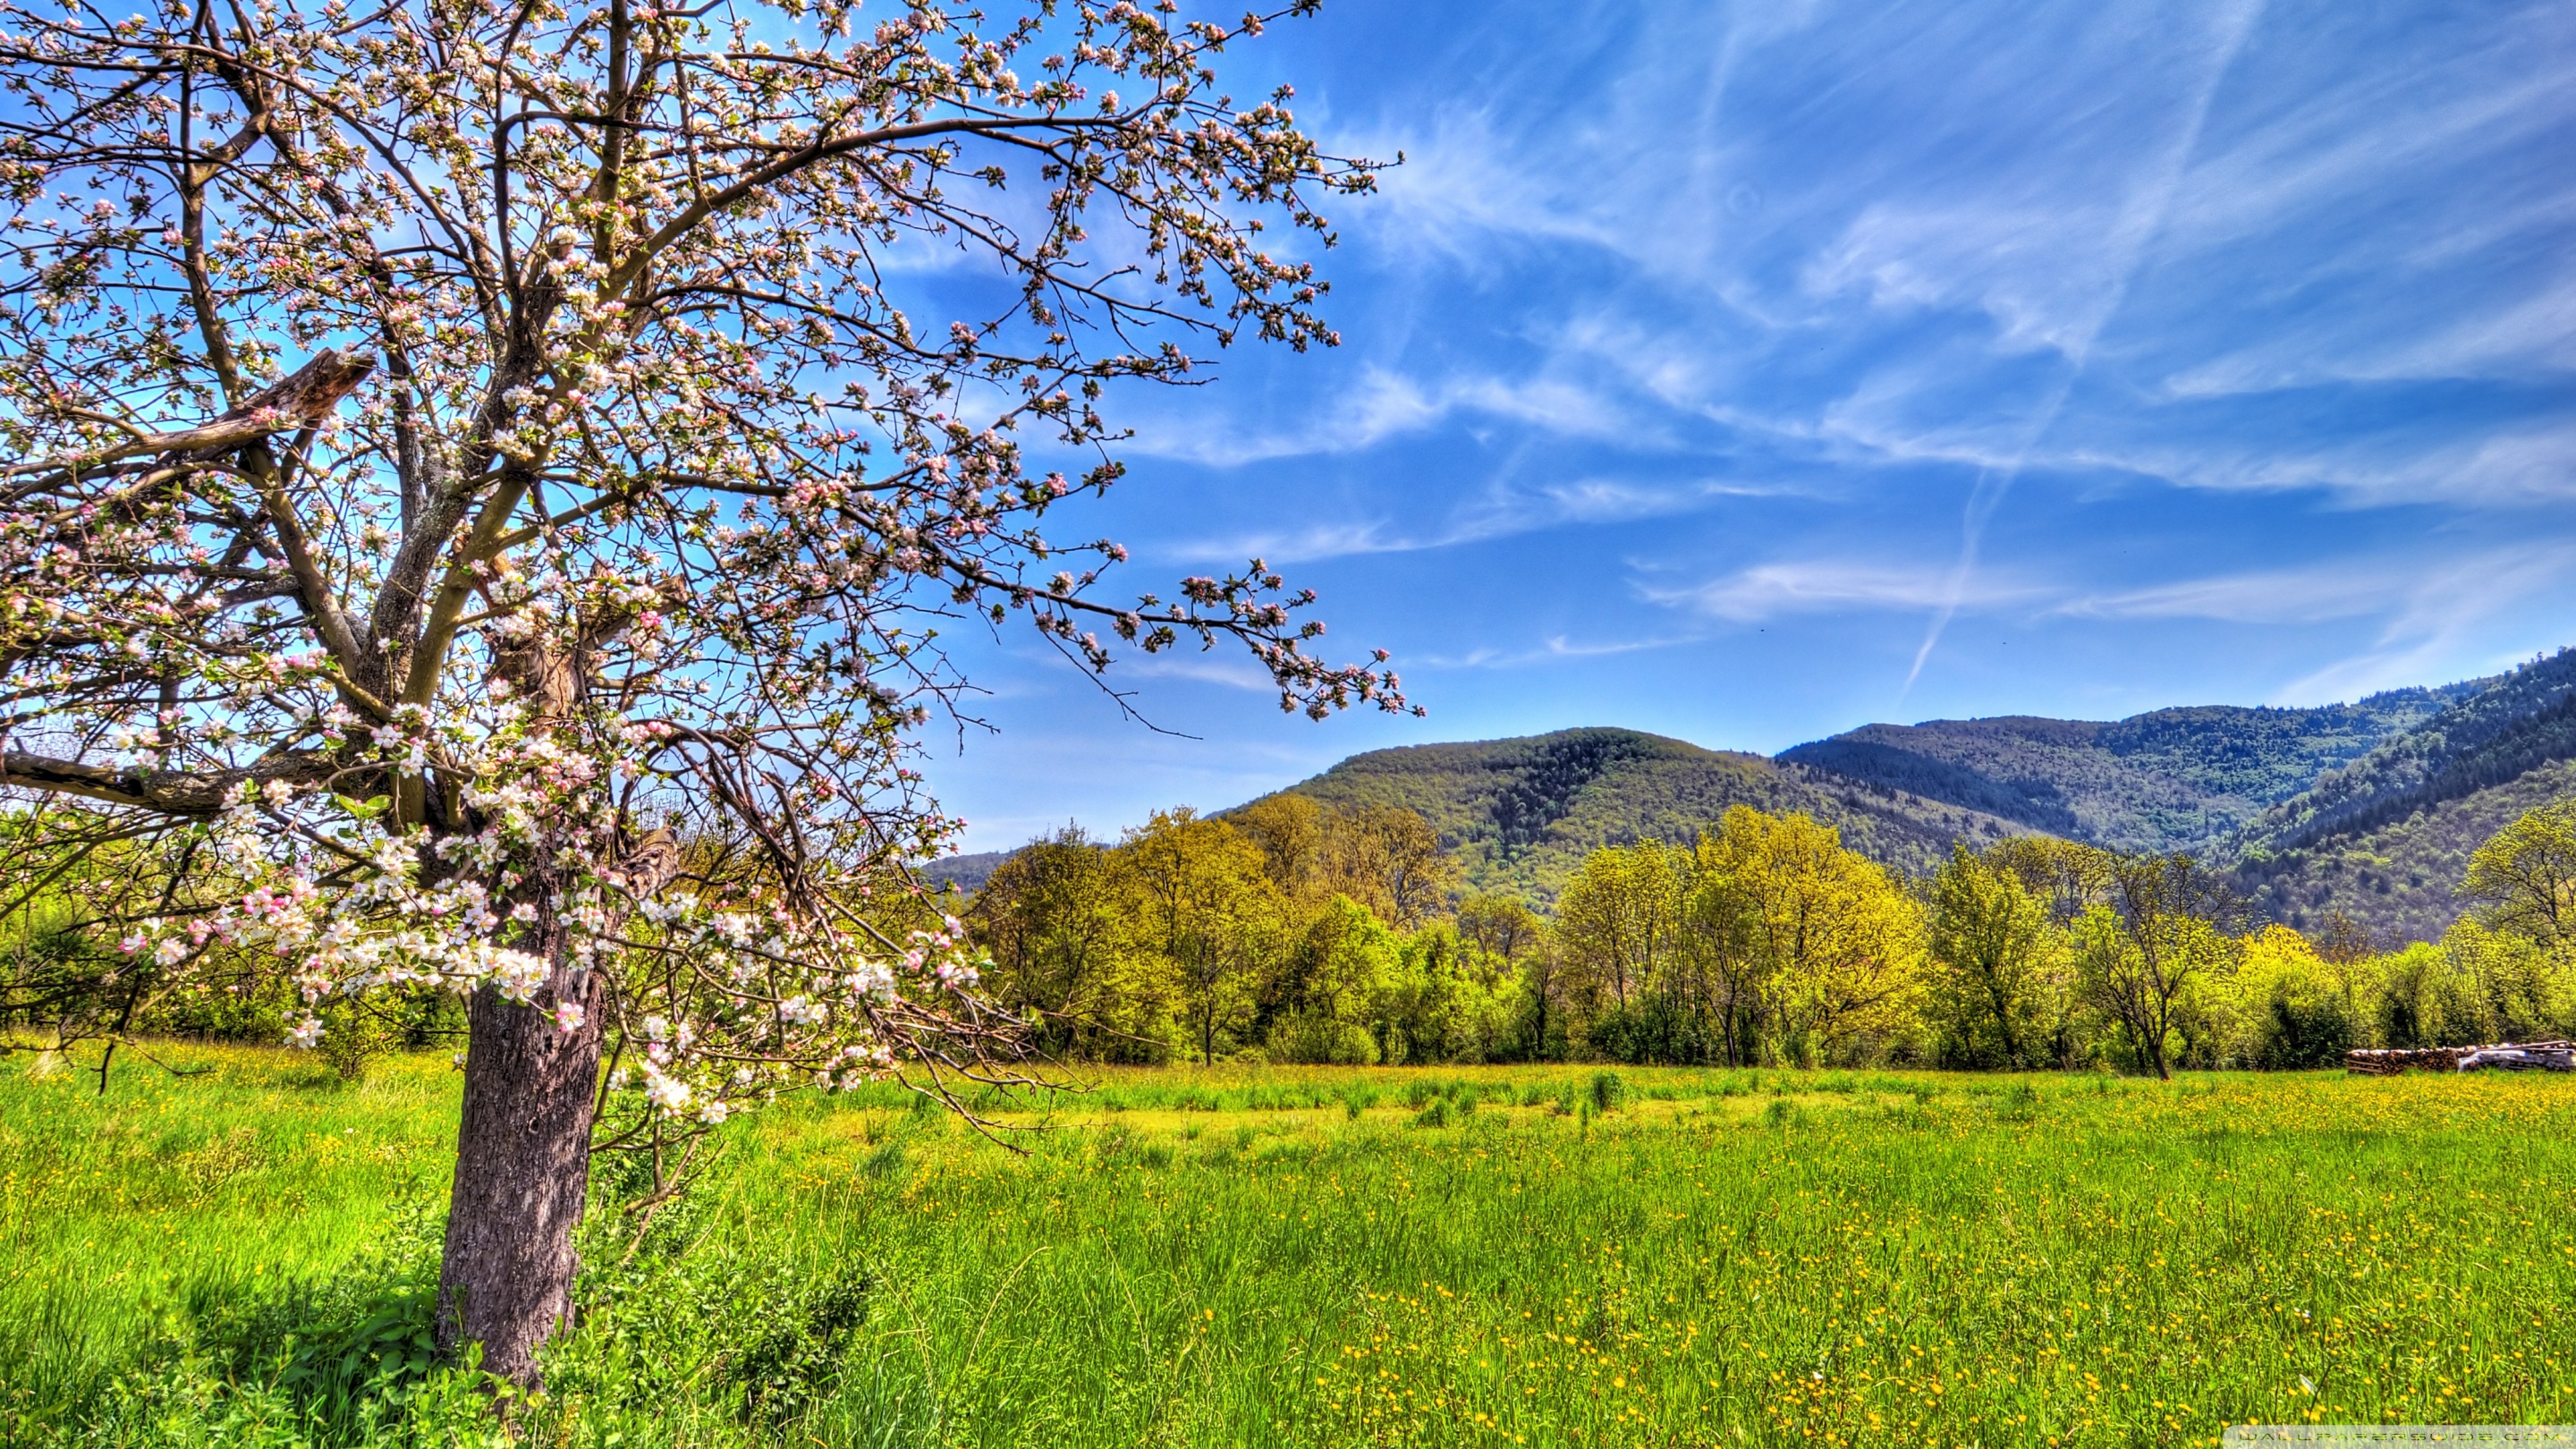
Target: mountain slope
{"points": [[2172, 779], [2371, 808], [1522, 813], [966, 872], [2398, 878], [2511, 725]]}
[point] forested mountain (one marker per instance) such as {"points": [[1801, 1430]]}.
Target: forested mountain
{"points": [[1522, 813], [966, 872], [2508, 726], [2397, 878], [2370, 809], [2173, 779]]}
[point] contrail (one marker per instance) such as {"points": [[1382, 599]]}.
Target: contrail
{"points": [[2139, 224]]}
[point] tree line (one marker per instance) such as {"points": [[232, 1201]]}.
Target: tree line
{"points": [[1296, 932], [1291, 931]]}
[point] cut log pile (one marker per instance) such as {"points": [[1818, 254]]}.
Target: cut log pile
{"points": [[2525, 1056]]}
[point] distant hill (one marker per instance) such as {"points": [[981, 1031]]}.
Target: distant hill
{"points": [[2399, 877], [966, 872], [1522, 813], [2370, 808], [2173, 779], [2506, 727]]}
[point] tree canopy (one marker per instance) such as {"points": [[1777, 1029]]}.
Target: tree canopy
{"points": [[485, 485]]}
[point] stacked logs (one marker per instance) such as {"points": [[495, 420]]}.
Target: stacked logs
{"points": [[2528, 1056]]}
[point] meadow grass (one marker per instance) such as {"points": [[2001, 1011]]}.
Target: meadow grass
{"points": [[1282, 1256]]}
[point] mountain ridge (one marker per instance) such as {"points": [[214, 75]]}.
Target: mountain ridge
{"points": [[1520, 813], [2369, 808], [2186, 777]]}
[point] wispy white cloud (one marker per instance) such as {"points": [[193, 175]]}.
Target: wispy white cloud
{"points": [[1840, 586], [1501, 512], [2342, 590], [2426, 610], [2434, 625], [1555, 649], [1384, 404], [1209, 667]]}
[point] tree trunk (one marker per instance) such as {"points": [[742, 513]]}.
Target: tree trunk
{"points": [[2003, 1024], [2155, 1048], [522, 1170]]}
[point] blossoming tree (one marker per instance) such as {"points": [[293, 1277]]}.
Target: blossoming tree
{"points": [[481, 482]]}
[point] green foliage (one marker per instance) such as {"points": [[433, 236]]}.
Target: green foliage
{"points": [[354, 1036], [2387, 839], [1320, 1039], [2305, 1034], [2492, 732], [791, 1358], [2000, 981], [2399, 879], [2526, 875]]}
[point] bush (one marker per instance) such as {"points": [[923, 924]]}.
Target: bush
{"points": [[354, 1034], [1317, 1040], [1609, 1091], [794, 1352], [2304, 1035], [1654, 1032]]}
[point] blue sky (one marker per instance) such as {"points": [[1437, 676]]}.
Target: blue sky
{"points": [[1748, 373]]}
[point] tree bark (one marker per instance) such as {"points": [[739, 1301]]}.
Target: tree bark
{"points": [[522, 1171]]}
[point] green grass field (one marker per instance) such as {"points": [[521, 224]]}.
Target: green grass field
{"points": [[1291, 1257]]}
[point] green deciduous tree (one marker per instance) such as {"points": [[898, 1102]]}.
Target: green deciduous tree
{"points": [[1211, 914], [1999, 966], [2526, 875], [1840, 942], [1332, 987], [1066, 924], [2148, 957], [1618, 922]]}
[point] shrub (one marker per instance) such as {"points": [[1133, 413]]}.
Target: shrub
{"points": [[354, 1034], [2303, 1035], [1317, 1040], [795, 1348], [1609, 1091]]}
